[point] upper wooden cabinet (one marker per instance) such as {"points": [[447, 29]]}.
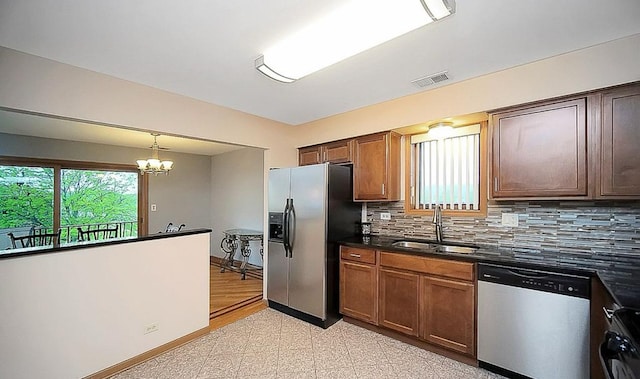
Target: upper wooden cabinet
{"points": [[309, 155], [333, 152], [337, 152], [619, 164], [540, 151], [582, 147], [376, 167]]}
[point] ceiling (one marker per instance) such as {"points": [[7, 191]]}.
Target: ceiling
{"points": [[205, 49]]}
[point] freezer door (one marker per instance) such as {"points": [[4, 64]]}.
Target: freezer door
{"points": [[279, 188], [277, 273], [307, 266], [277, 263]]}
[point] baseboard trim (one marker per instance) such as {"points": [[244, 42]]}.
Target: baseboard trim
{"points": [[148, 355]]}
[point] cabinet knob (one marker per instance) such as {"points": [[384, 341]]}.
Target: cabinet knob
{"points": [[355, 255]]}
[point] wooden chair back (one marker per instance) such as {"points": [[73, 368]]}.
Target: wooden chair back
{"points": [[97, 234], [33, 240]]}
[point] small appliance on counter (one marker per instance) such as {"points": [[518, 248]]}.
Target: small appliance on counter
{"points": [[365, 228]]}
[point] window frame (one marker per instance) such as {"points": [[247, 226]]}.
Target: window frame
{"points": [[58, 165], [410, 178]]}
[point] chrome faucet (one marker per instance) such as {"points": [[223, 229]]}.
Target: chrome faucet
{"points": [[437, 221]]}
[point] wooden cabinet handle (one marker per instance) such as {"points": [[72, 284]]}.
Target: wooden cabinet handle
{"points": [[495, 184], [355, 255]]}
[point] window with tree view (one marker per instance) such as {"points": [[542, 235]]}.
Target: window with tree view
{"points": [[447, 171], [39, 200]]}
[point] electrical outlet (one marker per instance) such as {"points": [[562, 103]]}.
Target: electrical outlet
{"points": [[385, 216], [510, 219], [151, 328], [153, 208]]}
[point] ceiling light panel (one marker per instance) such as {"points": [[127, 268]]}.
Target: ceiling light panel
{"points": [[354, 27]]}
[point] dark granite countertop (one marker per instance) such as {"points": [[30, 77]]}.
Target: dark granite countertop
{"points": [[13, 253], [619, 274]]}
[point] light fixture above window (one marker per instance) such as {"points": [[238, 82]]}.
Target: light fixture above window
{"points": [[353, 28], [440, 130], [154, 165]]}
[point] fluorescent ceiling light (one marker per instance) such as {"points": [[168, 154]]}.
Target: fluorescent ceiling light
{"points": [[355, 27]]}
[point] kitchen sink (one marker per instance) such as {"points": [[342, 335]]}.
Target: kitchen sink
{"points": [[415, 245], [433, 246], [456, 249]]}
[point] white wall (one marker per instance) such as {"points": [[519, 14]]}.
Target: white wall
{"points": [[73, 313], [183, 196], [237, 196]]}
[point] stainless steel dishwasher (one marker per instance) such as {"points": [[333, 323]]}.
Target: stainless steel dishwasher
{"points": [[533, 323]]}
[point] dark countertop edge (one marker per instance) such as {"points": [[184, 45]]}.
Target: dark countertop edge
{"points": [[620, 295], [14, 253], [474, 259]]}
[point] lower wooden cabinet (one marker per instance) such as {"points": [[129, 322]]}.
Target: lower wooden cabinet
{"points": [[447, 313], [359, 291], [430, 299], [399, 301]]}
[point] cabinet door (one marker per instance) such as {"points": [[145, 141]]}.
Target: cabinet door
{"points": [[338, 152], [447, 314], [358, 291], [620, 138], [309, 155], [540, 151], [399, 301], [376, 167]]}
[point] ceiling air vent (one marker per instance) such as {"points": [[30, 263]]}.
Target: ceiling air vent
{"points": [[430, 79]]}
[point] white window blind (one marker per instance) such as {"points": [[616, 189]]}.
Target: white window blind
{"points": [[447, 171]]}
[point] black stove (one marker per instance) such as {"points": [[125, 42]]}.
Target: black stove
{"points": [[620, 351]]}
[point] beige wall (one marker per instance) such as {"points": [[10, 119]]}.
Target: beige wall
{"points": [[41, 85], [35, 84], [600, 66]]}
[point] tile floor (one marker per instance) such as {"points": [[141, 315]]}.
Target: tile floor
{"points": [[269, 344]]}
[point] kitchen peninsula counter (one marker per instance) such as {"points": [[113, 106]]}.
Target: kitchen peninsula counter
{"points": [[13, 253], [619, 274]]}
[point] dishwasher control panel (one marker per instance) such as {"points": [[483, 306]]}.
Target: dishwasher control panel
{"points": [[564, 284]]}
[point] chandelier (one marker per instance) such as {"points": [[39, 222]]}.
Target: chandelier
{"points": [[154, 165]]}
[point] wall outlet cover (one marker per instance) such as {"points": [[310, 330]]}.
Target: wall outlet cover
{"points": [[385, 216], [151, 328], [510, 219]]}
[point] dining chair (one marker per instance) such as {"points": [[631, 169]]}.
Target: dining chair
{"points": [[33, 240], [97, 234]]}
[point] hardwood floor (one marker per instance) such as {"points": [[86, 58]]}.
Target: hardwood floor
{"points": [[229, 293]]}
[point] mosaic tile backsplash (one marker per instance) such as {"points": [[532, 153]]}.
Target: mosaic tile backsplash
{"points": [[580, 228]]}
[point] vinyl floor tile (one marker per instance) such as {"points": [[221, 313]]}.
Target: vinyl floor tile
{"points": [[271, 345]]}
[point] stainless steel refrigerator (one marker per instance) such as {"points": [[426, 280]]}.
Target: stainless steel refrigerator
{"points": [[310, 209]]}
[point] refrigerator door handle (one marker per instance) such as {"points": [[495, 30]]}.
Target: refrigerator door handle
{"points": [[291, 225], [285, 229]]}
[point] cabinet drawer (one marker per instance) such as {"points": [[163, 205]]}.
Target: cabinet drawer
{"points": [[433, 266], [358, 255]]}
